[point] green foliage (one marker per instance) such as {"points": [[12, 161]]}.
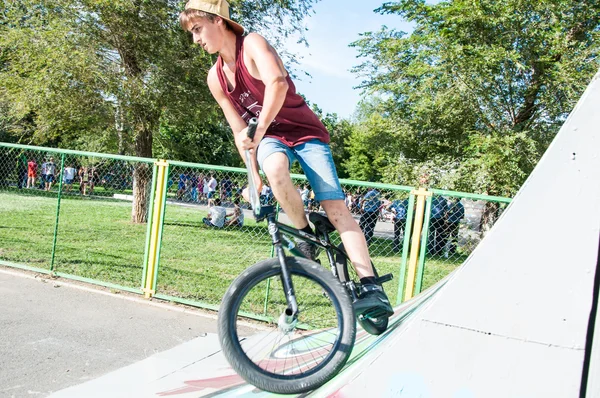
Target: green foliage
{"points": [[339, 132], [109, 75], [369, 146], [475, 77]]}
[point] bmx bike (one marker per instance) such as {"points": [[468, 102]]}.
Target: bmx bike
{"points": [[309, 308]]}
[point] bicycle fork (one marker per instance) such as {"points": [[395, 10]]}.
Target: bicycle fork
{"points": [[288, 319]]}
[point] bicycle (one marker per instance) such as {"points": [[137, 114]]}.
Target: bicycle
{"points": [[302, 350]]}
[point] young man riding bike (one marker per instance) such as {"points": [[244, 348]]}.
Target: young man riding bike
{"points": [[249, 80]]}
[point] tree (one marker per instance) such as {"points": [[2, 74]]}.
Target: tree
{"points": [[339, 132], [482, 84], [121, 70]]}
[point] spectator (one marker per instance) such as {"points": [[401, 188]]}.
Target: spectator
{"points": [[399, 208], [182, 185], [31, 173], [304, 195], [356, 203], [68, 177], [370, 207], [226, 185], [216, 215], [456, 212], [313, 205], [92, 179], [194, 186], [84, 177], [48, 173], [205, 187], [437, 239], [348, 200], [384, 213], [22, 170], [236, 218], [200, 182], [212, 188], [266, 195]]}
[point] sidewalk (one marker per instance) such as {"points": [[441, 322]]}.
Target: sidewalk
{"points": [[55, 333]]}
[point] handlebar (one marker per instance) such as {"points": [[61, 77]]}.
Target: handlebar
{"points": [[254, 197]]}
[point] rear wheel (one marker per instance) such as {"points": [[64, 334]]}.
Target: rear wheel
{"points": [[374, 326], [290, 356]]}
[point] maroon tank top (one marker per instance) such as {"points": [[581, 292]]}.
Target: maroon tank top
{"points": [[295, 123]]}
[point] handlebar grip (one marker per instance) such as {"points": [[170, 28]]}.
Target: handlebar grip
{"points": [[252, 124]]}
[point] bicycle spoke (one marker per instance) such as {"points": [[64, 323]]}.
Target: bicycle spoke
{"points": [[308, 343]]}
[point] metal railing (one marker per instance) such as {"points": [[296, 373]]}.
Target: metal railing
{"points": [[141, 224]]}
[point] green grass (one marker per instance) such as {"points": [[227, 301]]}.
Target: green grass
{"points": [[97, 240]]}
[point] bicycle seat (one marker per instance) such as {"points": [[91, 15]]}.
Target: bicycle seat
{"points": [[321, 222]]}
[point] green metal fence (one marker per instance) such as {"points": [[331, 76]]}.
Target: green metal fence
{"points": [[70, 212], [73, 214]]}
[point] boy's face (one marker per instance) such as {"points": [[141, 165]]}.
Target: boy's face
{"points": [[207, 34]]}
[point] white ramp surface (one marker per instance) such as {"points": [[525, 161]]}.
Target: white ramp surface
{"points": [[512, 321]]}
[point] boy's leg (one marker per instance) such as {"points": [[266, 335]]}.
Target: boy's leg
{"points": [[317, 162], [352, 237], [276, 168], [275, 159]]}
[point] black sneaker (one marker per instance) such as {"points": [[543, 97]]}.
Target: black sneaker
{"points": [[308, 249], [373, 302]]}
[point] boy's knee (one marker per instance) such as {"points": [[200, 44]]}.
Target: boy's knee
{"points": [[276, 168]]}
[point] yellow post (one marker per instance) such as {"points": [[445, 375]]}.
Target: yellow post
{"points": [[159, 194], [421, 195]]}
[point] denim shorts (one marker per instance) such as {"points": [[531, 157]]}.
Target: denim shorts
{"points": [[315, 159]]}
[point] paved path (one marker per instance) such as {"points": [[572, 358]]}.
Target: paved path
{"points": [[55, 334]]}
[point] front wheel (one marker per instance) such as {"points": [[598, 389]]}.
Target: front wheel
{"points": [[374, 326], [291, 356]]}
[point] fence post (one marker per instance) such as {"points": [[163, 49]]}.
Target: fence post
{"points": [[60, 181], [405, 246], [149, 286], [149, 225], [421, 194], [424, 242], [161, 220]]}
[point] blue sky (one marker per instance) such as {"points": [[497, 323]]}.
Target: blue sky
{"points": [[336, 24]]}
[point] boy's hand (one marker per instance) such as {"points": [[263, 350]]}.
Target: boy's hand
{"points": [[245, 142]]}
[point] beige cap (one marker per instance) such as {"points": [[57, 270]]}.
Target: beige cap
{"points": [[216, 7]]}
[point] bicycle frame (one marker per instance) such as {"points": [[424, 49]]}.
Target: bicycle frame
{"points": [[278, 232], [268, 212]]}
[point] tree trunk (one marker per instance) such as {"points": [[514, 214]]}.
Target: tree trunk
{"points": [[491, 212], [142, 177]]}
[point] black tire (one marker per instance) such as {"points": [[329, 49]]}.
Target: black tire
{"points": [[344, 327], [374, 326]]}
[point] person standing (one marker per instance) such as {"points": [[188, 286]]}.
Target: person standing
{"points": [[31, 173], [370, 211], [68, 177], [212, 188], [48, 173], [437, 239], [399, 207], [456, 212]]}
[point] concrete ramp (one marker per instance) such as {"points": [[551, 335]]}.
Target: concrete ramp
{"points": [[512, 321]]}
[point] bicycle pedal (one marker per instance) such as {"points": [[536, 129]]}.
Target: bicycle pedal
{"points": [[375, 314], [384, 278]]}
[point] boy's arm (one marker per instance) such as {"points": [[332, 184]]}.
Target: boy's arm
{"points": [[237, 124], [264, 64]]}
